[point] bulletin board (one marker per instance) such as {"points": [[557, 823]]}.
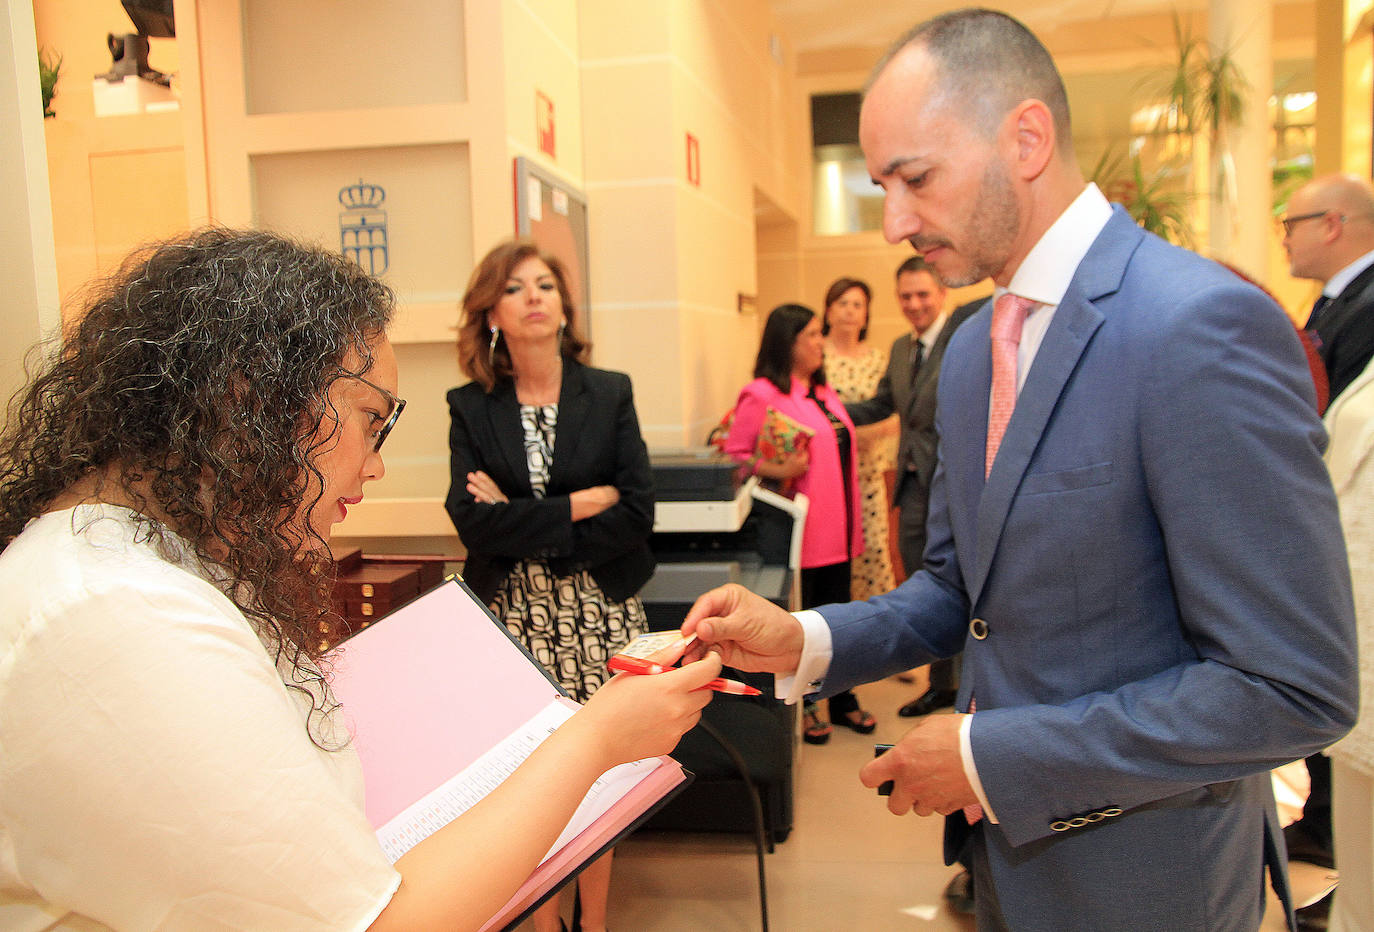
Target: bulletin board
{"points": [[553, 213]]}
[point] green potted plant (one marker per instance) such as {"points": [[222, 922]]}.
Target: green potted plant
{"points": [[1150, 198], [1205, 89], [49, 69]]}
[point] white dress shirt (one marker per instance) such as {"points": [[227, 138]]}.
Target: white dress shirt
{"points": [[1336, 283]]}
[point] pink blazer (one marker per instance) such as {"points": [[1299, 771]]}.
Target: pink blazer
{"points": [[823, 538]]}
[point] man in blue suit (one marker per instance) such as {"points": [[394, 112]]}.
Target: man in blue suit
{"points": [[1145, 571]]}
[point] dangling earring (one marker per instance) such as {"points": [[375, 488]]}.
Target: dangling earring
{"points": [[562, 326], [491, 349]]}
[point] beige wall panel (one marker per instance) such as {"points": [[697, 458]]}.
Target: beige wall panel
{"points": [[73, 226], [733, 71], [136, 197], [28, 276], [429, 223], [719, 351], [416, 453], [541, 56], [1359, 65], [74, 143], [725, 151], [630, 131], [559, 17], [632, 235], [612, 29], [779, 257], [351, 54], [642, 340], [716, 238]]}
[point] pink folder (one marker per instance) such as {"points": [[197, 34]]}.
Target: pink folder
{"points": [[434, 686]]}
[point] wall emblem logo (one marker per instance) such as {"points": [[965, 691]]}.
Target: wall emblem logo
{"points": [[362, 226]]}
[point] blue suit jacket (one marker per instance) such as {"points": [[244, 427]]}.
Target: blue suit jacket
{"points": [[1158, 561]]}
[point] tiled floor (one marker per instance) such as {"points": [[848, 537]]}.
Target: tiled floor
{"points": [[848, 865]]}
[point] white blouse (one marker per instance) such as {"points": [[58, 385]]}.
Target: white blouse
{"points": [[155, 773]]}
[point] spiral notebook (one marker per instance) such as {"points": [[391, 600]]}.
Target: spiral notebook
{"points": [[442, 704]]}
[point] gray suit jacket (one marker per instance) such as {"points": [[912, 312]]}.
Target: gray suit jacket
{"points": [[913, 401], [1158, 570]]}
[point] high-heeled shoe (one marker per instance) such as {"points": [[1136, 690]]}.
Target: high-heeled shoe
{"points": [[863, 726], [815, 731]]}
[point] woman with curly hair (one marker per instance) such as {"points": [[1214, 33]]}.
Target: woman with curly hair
{"points": [[168, 484], [551, 491]]}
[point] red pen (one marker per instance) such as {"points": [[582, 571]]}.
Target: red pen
{"points": [[731, 687], [624, 663], [638, 666]]}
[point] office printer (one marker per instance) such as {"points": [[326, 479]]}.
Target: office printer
{"points": [[713, 526]]}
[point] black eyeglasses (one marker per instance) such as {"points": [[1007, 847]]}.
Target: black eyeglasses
{"points": [[1288, 222], [397, 406]]}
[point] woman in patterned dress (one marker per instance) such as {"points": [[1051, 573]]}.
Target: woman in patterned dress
{"points": [[551, 491], [854, 368]]}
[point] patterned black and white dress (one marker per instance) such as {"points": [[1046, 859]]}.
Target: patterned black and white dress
{"points": [[570, 626]]}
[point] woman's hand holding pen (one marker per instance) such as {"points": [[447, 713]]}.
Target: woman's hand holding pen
{"points": [[485, 491], [634, 717]]}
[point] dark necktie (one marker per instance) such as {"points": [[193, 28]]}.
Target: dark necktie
{"points": [[1317, 308], [918, 356]]}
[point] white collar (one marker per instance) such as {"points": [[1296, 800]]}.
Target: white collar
{"points": [[1049, 267], [1336, 283]]}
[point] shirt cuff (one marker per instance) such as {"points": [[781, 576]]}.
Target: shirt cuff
{"points": [[817, 650], [971, 769]]}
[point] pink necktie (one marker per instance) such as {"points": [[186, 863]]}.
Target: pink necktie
{"points": [[1008, 314]]}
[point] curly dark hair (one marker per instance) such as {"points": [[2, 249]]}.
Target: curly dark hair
{"points": [[196, 384], [476, 357]]}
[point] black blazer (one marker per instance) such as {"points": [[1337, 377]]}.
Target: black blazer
{"points": [[597, 442], [1345, 332], [913, 401]]}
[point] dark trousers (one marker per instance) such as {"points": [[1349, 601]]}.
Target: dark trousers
{"points": [[826, 585], [911, 544], [1316, 811]]}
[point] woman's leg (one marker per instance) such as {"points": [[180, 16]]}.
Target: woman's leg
{"points": [[822, 585], [546, 917], [594, 886]]}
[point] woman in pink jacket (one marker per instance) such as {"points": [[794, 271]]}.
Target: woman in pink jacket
{"points": [[789, 378]]}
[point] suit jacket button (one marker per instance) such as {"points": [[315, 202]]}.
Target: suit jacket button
{"points": [[978, 628]]}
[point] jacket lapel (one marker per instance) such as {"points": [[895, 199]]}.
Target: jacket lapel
{"points": [[1076, 320], [574, 403], [503, 417]]}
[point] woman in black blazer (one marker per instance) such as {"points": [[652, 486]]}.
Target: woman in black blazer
{"points": [[551, 491]]}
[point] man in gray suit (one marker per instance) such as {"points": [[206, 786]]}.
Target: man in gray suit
{"points": [[908, 388]]}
